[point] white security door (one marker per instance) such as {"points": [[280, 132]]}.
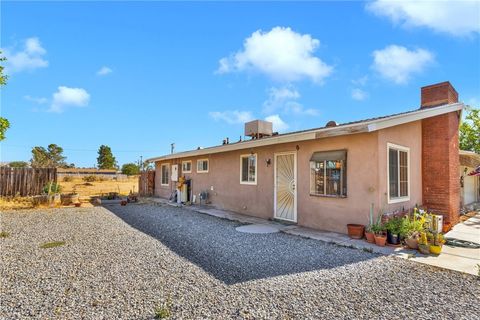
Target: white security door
{"points": [[285, 193]]}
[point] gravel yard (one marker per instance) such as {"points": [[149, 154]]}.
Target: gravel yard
{"points": [[126, 262]]}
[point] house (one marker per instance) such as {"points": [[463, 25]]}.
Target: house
{"points": [[327, 177], [469, 180], [108, 174]]}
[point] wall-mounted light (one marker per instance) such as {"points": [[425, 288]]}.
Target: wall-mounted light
{"points": [[268, 162], [297, 147]]}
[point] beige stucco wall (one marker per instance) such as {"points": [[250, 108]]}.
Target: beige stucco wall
{"points": [[407, 135], [366, 178], [469, 192]]}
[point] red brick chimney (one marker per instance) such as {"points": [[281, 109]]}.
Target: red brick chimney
{"points": [[440, 158]]}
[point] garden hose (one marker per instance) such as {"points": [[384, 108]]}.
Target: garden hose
{"points": [[461, 243]]}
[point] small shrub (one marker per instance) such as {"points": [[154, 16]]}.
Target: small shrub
{"points": [[162, 312], [90, 178], [101, 178], [369, 250], [67, 178], [4, 234], [52, 244], [52, 187]]}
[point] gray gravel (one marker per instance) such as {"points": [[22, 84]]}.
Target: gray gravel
{"points": [[123, 262]]}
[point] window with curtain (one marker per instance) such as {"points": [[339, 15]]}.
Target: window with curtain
{"points": [[328, 174], [398, 183], [248, 169], [202, 166]]}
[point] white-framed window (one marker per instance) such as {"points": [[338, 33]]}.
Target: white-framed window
{"points": [[328, 173], [186, 166], [248, 169], [202, 165], [398, 175], [164, 170]]}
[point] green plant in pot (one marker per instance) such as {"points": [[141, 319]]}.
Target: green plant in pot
{"points": [[423, 245], [369, 229], [379, 233], [411, 230], [394, 227]]}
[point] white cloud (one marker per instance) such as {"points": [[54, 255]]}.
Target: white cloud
{"points": [[398, 64], [30, 58], [359, 94], [278, 124], [37, 100], [281, 54], [232, 117], [69, 97], [103, 71], [362, 81], [284, 99], [450, 16]]}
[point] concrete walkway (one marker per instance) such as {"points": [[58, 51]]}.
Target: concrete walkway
{"points": [[453, 258]]}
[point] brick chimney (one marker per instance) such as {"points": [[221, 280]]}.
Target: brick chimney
{"points": [[440, 154]]}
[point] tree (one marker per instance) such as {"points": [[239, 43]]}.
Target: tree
{"points": [[4, 124], [18, 164], [105, 159], [50, 157], [470, 131], [130, 169]]}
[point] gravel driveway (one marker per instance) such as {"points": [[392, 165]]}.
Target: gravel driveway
{"points": [[125, 262]]}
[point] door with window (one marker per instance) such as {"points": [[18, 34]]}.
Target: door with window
{"points": [[285, 191]]}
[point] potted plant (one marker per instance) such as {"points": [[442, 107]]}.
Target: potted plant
{"points": [[369, 233], [355, 231], [393, 230], [423, 245], [379, 234], [437, 243], [410, 230]]}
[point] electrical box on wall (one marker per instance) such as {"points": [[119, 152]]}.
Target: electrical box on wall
{"points": [[174, 176]]}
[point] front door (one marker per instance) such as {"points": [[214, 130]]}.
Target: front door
{"points": [[285, 193]]}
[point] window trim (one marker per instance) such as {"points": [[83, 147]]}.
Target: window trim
{"points": [[161, 174], [256, 168], [208, 165], [404, 149], [187, 171]]}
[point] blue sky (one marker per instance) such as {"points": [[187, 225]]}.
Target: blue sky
{"points": [[139, 76]]}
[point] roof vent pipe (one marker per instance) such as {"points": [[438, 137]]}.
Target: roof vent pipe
{"points": [[331, 124]]}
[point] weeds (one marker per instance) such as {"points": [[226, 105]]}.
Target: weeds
{"points": [[164, 312], [4, 234], [369, 250], [52, 244]]}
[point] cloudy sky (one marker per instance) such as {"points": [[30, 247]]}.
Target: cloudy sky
{"points": [[139, 76]]}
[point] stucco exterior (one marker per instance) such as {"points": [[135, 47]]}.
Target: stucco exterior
{"points": [[366, 178]]}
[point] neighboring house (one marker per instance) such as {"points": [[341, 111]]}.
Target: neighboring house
{"points": [[470, 184], [328, 177]]}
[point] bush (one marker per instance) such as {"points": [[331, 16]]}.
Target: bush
{"points": [[67, 178], [130, 169], [52, 187], [90, 178]]}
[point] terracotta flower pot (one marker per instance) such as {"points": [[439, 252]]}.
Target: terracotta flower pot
{"points": [[412, 243], [446, 227], [77, 204], [380, 240], [370, 236], [355, 231]]}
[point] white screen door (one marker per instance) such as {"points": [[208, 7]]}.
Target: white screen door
{"points": [[285, 194]]}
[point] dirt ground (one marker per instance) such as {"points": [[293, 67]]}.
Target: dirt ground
{"points": [[85, 189]]}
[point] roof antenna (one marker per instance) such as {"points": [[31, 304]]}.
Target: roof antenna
{"points": [[172, 147]]}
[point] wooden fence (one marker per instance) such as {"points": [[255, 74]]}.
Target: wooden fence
{"points": [[146, 184], [25, 181]]}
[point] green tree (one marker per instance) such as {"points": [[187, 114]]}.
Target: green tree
{"points": [[18, 164], [130, 169], [4, 124], [105, 159], [470, 131], [52, 157]]}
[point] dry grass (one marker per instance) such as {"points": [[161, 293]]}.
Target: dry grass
{"points": [[96, 188], [14, 203]]}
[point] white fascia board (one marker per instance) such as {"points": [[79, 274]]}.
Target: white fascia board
{"points": [[414, 116], [302, 136]]}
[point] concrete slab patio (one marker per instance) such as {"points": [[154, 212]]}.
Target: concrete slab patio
{"points": [[453, 258]]}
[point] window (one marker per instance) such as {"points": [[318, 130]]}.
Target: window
{"points": [[186, 166], [248, 169], [165, 172], [398, 173], [328, 174], [202, 165]]}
